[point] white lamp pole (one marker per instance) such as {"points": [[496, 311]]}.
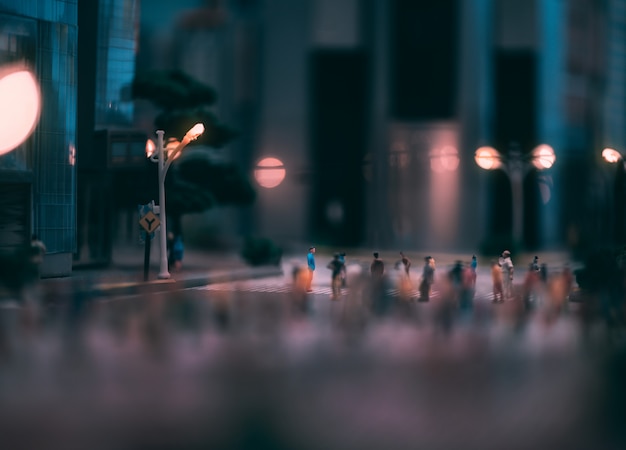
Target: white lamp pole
{"points": [[163, 269], [164, 165]]}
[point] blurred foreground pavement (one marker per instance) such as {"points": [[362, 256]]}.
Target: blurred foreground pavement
{"points": [[192, 369]]}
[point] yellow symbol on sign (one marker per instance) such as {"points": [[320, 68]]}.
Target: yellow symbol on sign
{"points": [[149, 222]]}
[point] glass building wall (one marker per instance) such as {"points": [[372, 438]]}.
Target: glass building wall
{"points": [[118, 22], [43, 34], [54, 152]]}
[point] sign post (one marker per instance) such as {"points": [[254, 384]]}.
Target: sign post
{"points": [[149, 222], [146, 259]]}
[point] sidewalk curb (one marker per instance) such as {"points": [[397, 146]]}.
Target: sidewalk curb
{"points": [[147, 287]]}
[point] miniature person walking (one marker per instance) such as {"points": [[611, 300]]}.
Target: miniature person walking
{"points": [[377, 268], [310, 262], [507, 273], [496, 278], [177, 252], [535, 263], [344, 275], [428, 278], [474, 267], [406, 262]]}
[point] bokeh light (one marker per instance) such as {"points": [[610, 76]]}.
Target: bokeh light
{"points": [[488, 158], [611, 155], [543, 156], [444, 159], [150, 148], [20, 106], [269, 172]]}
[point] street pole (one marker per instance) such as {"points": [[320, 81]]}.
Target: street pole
{"points": [[159, 156], [516, 170], [163, 270], [516, 166]]}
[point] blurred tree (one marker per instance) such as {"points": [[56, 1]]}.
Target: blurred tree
{"points": [[198, 180]]}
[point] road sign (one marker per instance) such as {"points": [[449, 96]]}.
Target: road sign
{"points": [[149, 222]]}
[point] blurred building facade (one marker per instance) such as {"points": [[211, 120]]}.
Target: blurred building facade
{"points": [[112, 176], [38, 179], [376, 107]]}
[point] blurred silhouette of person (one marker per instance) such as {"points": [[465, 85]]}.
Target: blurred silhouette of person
{"points": [[37, 252], [310, 262], [530, 288], [405, 289], [377, 268], [535, 263], [342, 258], [567, 277], [467, 288], [506, 265], [30, 261], [428, 278], [406, 263], [378, 302], [176, 251], [170, 253], [543, 272], [336, 269], [299, 302], [557, 290], [456, 279], [496, 279]]}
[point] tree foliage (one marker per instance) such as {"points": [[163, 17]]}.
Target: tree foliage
{"points": [[172, 89], [197, 181], [183, 102], [201, 182]]}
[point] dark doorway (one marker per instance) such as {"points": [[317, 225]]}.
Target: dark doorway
{"points": [[339, 100], [514, 124]]}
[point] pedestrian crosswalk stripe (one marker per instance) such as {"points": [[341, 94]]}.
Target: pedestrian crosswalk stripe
{"points": [[287, 288], [262, 286]]}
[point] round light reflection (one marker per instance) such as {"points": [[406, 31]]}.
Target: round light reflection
{"points": [[611, 155], [488, 158], [269, 172], [20, 106], [543, 156], [445, 159]]}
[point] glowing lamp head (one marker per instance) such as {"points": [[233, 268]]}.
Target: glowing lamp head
{"points": [[195, 132], [543, 157], [20, 106], [488, 158], [150, 148], [611, 155], [269, 172]]}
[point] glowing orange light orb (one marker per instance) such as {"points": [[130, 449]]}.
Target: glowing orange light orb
{"points": [[543, 157], [488, 158]]}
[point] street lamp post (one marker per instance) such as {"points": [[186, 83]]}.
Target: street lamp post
{"points": [[613, 156], [516, 166], [165, 161]]}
